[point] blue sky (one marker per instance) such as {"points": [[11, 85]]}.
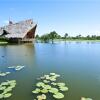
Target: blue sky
{"points": [[64, 16]]}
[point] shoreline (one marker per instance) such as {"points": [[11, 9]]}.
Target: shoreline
{"points": [[77, 40], [3, 43]]}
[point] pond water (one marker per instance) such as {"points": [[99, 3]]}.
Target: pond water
{"points": [[78, 63]]}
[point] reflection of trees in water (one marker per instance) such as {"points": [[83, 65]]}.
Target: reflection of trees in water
{"points": [[78, 42]]}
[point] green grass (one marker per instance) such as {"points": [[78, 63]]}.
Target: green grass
{"points": [[77, 40], [3, 42]]}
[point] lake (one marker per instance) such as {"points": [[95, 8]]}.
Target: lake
{"points": [[78, 63]]}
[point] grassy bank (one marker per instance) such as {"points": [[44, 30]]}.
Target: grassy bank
{"points": [[3, 42], [79, 40]]}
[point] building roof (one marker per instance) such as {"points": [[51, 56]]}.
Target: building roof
{"points": [[18, 30]]}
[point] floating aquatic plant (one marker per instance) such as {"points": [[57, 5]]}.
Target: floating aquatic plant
{"points": [[40, 84], [49, 84], [53, 90], [44, 91], [41, 97], [83, 98], [17, 67], [4, 73], [58, 95], [37, 90], [6, 88], [63, 88]]}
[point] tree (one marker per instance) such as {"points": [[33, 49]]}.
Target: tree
{"points": [[65, 36], [45, 38], [37, 36], [53, 35], [78, 36]]}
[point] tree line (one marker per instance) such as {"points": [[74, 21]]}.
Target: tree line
{"points": [[54, 35]]}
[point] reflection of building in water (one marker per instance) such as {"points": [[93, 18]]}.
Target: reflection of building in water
{"points": [[17, 54], [3, 55], [23, 31]]}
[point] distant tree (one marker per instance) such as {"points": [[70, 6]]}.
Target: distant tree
{"points": [[98, 37], [88, 37], [37, 36], [58, 37], [45, 38], [93, 37], [65, 36], [78, 36], [53, 35]]}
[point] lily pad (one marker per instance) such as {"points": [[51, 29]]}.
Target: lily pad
{"points": [[52, 79], [17, 67], [36, 91], [40, 84], [46, 81], [41, 97], [53, 83], [2, 87], [47, 77], [47, 87], [4, 73], [53, 90], [7, 90], [7, 95], [52, 73], [7, 87], [1, 96], [58, 95], [4, 83], [48, 84], [61, 84], [44, 91], [83, 98], [63, 88]]}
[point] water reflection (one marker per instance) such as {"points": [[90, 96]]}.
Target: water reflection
{"points": [[77, 63]]}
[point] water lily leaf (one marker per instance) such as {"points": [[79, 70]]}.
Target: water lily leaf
{"points": [[7, 95], [53, 83], [37, 90], [1, 96], [7, 72], [6, 87], [4, 83], [58, 95], [2, 87], [53, 90], [42, 77], [46, 87], [63, 88], [52, 73], [61, 84], [12, 81], [52, 79], [7, 90], [12, 67], [40, 84], [45, 81], [83, 98], [47, 77], [17, 67], [41, 97], [4, 73], [44, 91]]}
